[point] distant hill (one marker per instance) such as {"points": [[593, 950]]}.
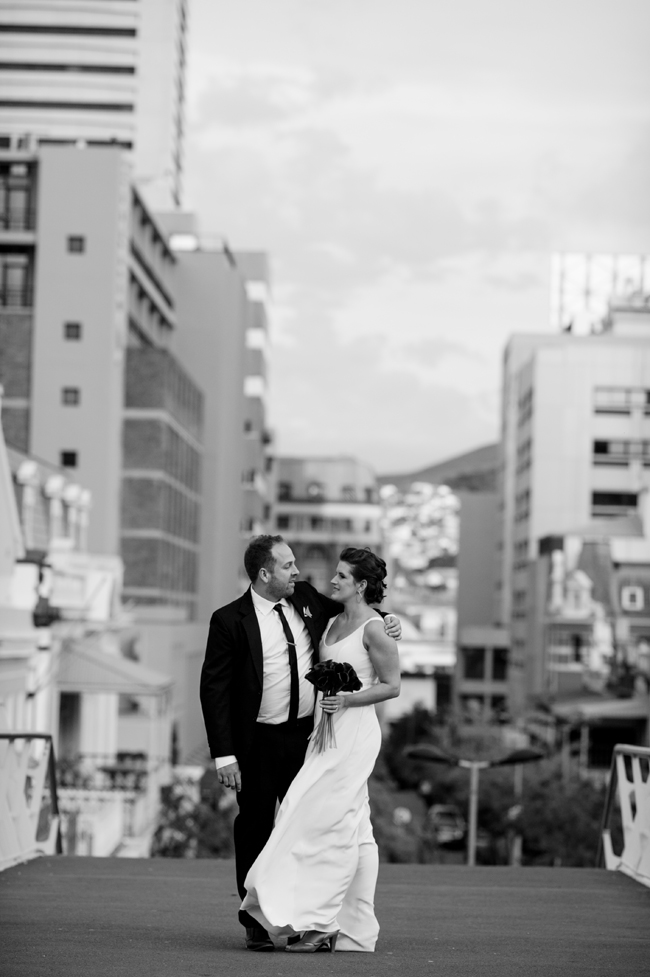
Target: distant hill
{"points": [[475, 471]]}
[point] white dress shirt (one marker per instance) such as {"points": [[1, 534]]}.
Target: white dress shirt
{"points": [[274, 708]]}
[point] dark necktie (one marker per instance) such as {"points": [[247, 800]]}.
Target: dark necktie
{"points": [[294, 695]]}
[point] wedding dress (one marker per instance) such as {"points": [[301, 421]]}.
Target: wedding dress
{"points": [[318, 870]]}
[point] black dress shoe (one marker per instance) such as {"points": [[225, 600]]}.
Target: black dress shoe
{"points": [[258, 939], [293, 939]]}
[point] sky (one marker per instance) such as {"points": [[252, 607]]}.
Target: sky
{"points": [[409, 166]]}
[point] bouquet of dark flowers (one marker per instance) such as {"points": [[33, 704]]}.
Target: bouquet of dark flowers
{"points": [[330, 678]]}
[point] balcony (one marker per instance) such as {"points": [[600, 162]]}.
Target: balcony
{"points": [[19, 220], [16, 297]]}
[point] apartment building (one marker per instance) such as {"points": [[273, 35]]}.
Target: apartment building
{"points": [[91, 384], [106, 72], [94, 387], [323, 505], [223, 304], [575, 449], [588, 629]]}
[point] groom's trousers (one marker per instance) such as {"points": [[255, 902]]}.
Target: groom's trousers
{"points": [[278, 754]]}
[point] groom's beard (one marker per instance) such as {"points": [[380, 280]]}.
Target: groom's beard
{"points": [[278, 590]]}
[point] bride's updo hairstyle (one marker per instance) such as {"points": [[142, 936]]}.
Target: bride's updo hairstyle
{"points": [[365, 565]]}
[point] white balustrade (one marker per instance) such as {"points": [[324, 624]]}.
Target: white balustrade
{"points": [[631, 773], [29, 821]]}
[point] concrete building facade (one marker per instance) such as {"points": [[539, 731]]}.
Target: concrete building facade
{"points": [[575, 447], [91, 383], [223, 302], [87, 324], [107, 72], [323, 505]]}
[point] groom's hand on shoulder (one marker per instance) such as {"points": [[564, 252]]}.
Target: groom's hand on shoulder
{"points": [[230, 775], [393, 627]]}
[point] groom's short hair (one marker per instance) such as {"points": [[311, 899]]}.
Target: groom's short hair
{"points": [[258, 555]]}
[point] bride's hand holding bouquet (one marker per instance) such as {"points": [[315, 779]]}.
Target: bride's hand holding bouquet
{"points": [[330, 678]]}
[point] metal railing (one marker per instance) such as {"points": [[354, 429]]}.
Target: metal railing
{"points": [[630, 777], [29, 806], [19, 220], [19, 297]]}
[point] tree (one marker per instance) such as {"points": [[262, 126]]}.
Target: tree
{"points": [[559, 819]]}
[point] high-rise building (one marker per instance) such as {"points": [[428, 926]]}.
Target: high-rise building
{"points": [[109, 71], [87, 319], [94, 385], [222, 301], [575, 448]]}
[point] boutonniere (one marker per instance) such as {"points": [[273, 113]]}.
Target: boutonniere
{"points": [[306, 612]]}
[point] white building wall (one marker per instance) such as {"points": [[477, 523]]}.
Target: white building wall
{"points": [[559, 375], [82, 192]]}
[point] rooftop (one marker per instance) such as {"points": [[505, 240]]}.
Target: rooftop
{"points": [[172, 917]]}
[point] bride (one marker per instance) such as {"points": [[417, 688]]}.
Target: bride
{"points": [[314, 881]]}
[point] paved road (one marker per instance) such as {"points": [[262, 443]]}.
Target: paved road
{"points": [[82, 917]]}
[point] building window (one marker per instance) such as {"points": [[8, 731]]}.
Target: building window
{"points": [[474, 663], [248, 427], [498, 703], [620, 453], [611, 504], [632, 598], [283, 522], [284, 491], [315, 491], [69, 459], [349, 493], [76, 244], [500, 664], [15, 279], [71, 396], [525, 407], [16, 197], [621, 400], [316, 523], [370, 494], [72, 330], [576, 648]]}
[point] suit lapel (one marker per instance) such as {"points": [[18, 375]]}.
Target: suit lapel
{"points": [[252, 629], [299, 605]]}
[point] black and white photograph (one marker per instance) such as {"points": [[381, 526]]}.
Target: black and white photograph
{"points": [[324, 488]]}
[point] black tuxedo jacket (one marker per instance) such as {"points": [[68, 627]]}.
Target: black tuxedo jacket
{"points": [[232, 674]]}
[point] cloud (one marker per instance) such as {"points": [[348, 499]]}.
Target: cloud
{"points": [[409, 198], [391, 420]]}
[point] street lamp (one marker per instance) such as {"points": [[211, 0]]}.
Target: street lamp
{"points": [[428, 753]]}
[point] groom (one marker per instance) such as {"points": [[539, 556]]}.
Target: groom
{"points": [[257, 706]]}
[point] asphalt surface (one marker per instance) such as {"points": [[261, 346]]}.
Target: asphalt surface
{"points": [[160, 917]]}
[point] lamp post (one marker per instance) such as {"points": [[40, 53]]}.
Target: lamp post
{"points": [[429, 753]]}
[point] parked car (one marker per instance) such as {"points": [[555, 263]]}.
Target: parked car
{"points": [[448, 824]]}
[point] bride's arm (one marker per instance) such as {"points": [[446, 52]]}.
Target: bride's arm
{"points": [[385, 659]]}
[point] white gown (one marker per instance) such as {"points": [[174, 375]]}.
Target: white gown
{"points": [[318, 870]]}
